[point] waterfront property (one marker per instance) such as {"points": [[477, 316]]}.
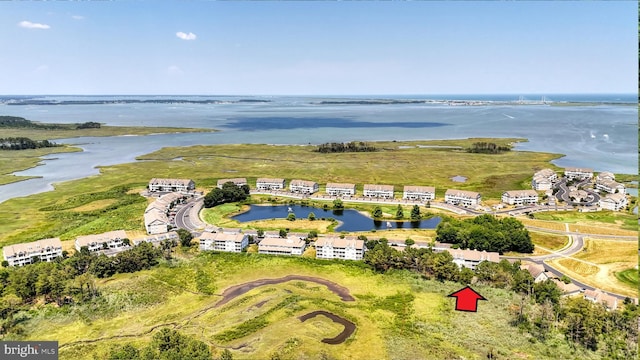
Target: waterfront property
{"points": [[157, 239], [221, 241], [615, 202], [338, 189], [572, 173], [471, 258], [600, 297], [156, 220], [462, 198], [333, 247], [23, 254], [292, 245], [605, 175], [269, 184], [235, 181], [423, 193], [109, 240], [520, 197], [610, 186], [544, 179], [378, 191], [303, 187], [184, 185]]}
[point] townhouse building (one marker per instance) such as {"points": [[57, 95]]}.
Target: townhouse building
{"points": [[520, 197], [333, 247], [292, 245], [23, 254], [108, 240], [221, 241], [183, 185], [462, 198], [303, 187], [268, 184], [422, 193], [378, 191], [340, 189], [235, 181]]}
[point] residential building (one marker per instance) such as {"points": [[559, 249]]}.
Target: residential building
{"points": [[520, 197], [292, 245], [600, 297], [236, 181], [157, 239], [615, 202], [471, 258], [569, 289], [108, 240], [462, 198], [423, 193], [156, 220], [606, 175], [338, 189], [303, 186], [538, 272], [23, 254], [610, 186], [270, 184], [378, 191], [544, 179], [221, 241], [184, 185], [333, 247], [578, 173]]}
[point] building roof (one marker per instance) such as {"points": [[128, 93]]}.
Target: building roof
{"points": [[619, 197], [340, 186], [520, 193], [545, 173], [576, 169], [337, 242], [290, 241], [599, 296], [534, 269], [422, 189], [606, 175], [101, 238], [168, 182], [220, 236], [303, 183], [270, 180], [234, 180], [474, 255], [462, 193], [566, 288], [31, 247], [609, 183], [375, 187]]}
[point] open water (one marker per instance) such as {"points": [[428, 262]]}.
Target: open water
{"points": [[602, 137]]}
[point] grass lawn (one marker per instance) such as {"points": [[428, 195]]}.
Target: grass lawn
{"points": [[629, 276], [549, 241], [397, 315], [599, 263], [609, 220]]}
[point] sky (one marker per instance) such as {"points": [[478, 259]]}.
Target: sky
{"points": [[318, 48]]}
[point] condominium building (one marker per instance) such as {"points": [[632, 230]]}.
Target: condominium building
{"points": [[156, 220], [292, 245], [235, 181], [220, 241], [23, 254], [606, 175], [378, 191], [338, 189], [578, 173], [270, 184], [614, 202], [520, 197], [303, 186], [462, 198], [544, 179], [610, 186], [333, 247], [184, 185], [423, 193], [156, 239], [97, 242], [471, 258]]}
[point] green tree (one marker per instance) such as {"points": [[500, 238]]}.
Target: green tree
{"points": [[546, 290], [226, 355], [291, 217], [399, 212], [409, 242], [311, 216], [415, 213], [185, 237], [283, 233], [377, 212], [124, 352], [338, 205]]}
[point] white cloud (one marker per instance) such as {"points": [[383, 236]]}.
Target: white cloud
{"points": [[77, 17], [185, 36], [174, 70], [30, 25]]}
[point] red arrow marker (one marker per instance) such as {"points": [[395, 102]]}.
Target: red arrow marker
{"points": [[467, 299]]}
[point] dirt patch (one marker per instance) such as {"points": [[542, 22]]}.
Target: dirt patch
{"points": [[259, 305], [349, 327], [237, 290]]}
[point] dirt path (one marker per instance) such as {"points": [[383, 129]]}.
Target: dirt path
{"points": [[349, 327], [237, 290]]}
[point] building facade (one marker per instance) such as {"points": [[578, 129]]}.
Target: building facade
{"points": [[270, 184], [338, 189], [422, 193], [378, 191], [183, 185], [108, 240], [544, 179], [333, 247], [462, 198], [520, 197], [578, 173], [303, 187], [23, 254], [610, 186], [614, 202], [236, 181], [220, 241], [292, 245], [471, 258]]}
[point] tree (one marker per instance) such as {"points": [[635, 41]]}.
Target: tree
{"points": [[311, 216], [185, 237], [312, 234], [291, 217], [399, 212], [126, 352], [283, 233], [546, 290], [377, 212], [409, 242], [415, 213], [338, 205], [226, 355]]}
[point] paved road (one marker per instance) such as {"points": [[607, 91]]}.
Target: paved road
{"points": [[563, 193], [187, 217]]}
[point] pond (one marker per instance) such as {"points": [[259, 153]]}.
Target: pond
{"points": [[351, 220]]}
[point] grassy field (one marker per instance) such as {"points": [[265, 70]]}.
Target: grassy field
{"points": [[549, 241], [599, 222], [398, 315], [629, 276], [600, 262]]}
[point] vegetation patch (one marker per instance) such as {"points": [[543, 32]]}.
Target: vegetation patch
{"points": [[629, 276]]}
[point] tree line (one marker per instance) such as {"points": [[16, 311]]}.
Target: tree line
{"points": [[20, 122], [230, 192], [23, 143], [487, 148], [345, 147], [486, 232]]}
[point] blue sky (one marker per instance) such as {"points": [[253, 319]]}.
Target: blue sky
{"points": [[318, 48]]}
